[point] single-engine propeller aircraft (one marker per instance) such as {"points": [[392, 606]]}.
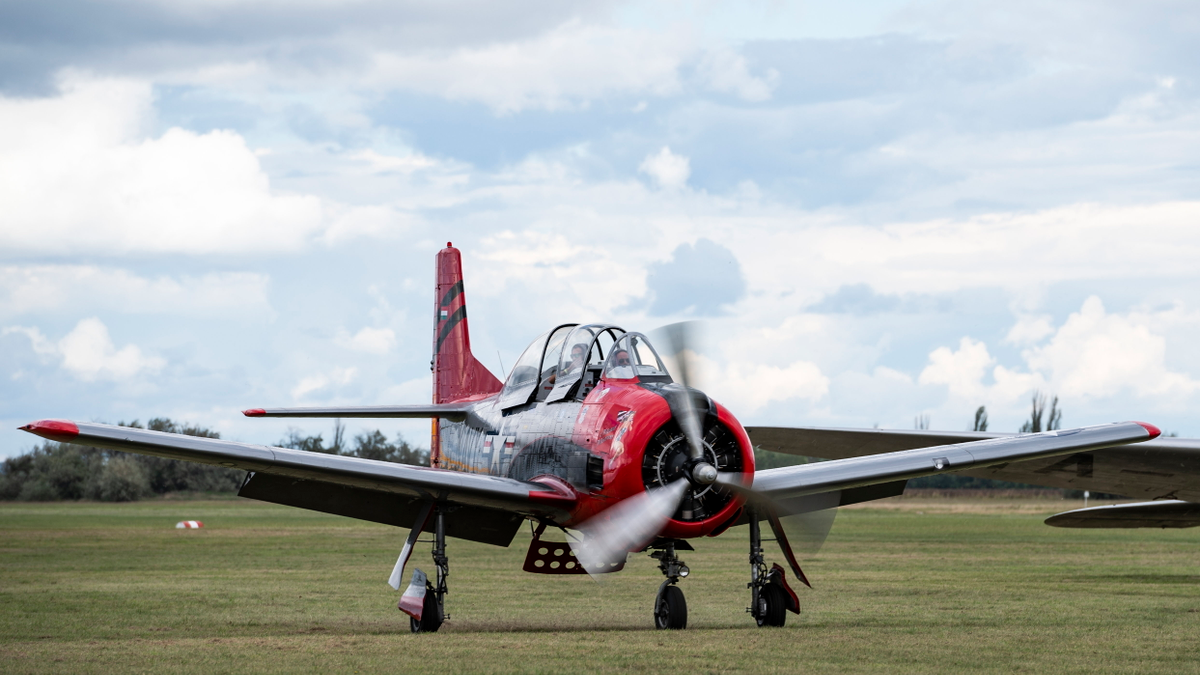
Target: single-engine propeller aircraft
{"points": [[590, 432]]}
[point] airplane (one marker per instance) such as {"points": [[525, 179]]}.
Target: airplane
{"points": [[590, 434]]}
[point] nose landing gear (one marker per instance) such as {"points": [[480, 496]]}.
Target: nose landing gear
{"points": [[670, 607]]}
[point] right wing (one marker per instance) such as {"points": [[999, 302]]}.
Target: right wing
{"points": [[490, 507]]}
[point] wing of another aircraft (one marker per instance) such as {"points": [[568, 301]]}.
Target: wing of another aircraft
{"points": [[1163, 468], [1161, 514], [491, 508]]}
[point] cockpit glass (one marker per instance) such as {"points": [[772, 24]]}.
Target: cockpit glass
{"points": [[632, 356], [582, 357], [575, 356], [526, 368], [554, 350], [529, 369]]}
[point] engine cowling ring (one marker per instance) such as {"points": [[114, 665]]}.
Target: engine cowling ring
{"points": [[667, 459]]}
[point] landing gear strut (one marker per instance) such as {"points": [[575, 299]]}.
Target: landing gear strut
{"points": [[670, 607], [433, 613], [768, 601]]}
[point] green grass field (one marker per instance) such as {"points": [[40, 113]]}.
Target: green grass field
{"points": [[902, 586]]}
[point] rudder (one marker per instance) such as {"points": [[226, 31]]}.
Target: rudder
{"points": [[457, 374]]}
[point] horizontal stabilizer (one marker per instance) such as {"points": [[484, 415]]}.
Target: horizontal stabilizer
{"points": [[454, 412], [1163, 513]]}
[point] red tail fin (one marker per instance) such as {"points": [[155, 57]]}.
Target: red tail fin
{"points": [[457, 375]]}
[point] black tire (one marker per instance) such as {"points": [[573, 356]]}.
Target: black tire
{"points": [[431, 616], [670, 611], [772, 606]]}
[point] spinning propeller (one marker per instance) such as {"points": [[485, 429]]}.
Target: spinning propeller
{"points": [[635, 521]]}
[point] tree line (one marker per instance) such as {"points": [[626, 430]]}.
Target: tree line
{"points": [[54, 471], [1040, 419]]}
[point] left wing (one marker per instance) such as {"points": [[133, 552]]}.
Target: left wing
{"points": [[491, 508], [791, 485], [1163, 468]]}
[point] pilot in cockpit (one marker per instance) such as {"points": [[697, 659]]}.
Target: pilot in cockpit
{"points": [[578, 356], [621, 358]]}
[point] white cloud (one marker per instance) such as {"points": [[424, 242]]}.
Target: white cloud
{"points": [[313, 383], [560, 69], [40, 344], [1096, 354], [668, 169], [754, 385], [747, 386], [1102, 363], [962, 371], [1029, 329], [727, 71], [377, 222], [404, 164], [35, 289], [369, 340], [88, 353], [79, 174], [1009, 250]]}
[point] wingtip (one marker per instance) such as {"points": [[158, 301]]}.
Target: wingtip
{"points": [[254, 412], [55, 430], [1154, 431]]}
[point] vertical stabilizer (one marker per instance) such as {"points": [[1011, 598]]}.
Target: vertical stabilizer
{"points": [[457, 375]]}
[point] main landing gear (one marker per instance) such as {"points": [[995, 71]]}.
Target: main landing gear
{"points": [[433, 612], [769, 594], [670, 607]]}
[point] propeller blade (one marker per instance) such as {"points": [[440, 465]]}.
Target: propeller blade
{"points": [[808, 524], [803, 522], [628, 526], [680, 342]]}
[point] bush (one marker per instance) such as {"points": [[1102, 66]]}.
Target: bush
{"points": [[371, 445], [122, 480], [58, 471]]}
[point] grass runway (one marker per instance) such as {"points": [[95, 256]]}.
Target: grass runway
{"points": [[902, 586]]}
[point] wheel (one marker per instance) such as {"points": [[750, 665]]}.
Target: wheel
{"points": [[772, 606], [431, 616], [670, 610]]}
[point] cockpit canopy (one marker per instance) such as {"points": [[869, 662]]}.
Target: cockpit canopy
{"points": [[553, 367], [633, 357]]}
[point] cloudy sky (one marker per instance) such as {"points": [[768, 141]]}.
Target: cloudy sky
{"points": [[897, 209]]}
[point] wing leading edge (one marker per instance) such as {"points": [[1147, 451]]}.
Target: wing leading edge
{"points": [[321, 482]]}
